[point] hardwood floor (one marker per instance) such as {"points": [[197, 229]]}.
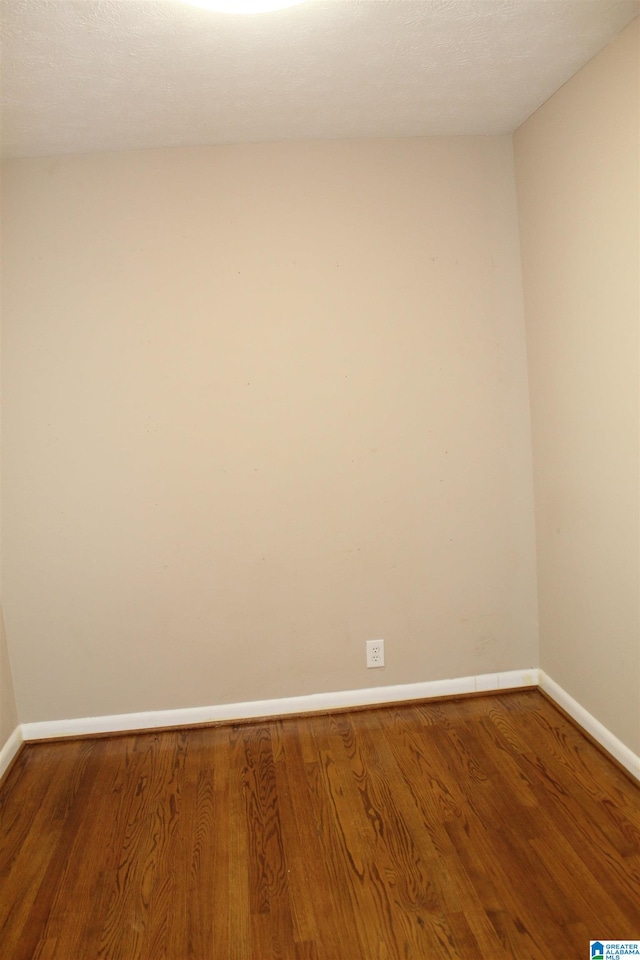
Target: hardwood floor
{"points": [[479, 828]]}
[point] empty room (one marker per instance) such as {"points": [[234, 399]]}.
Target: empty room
{"points": [[320, 480]]}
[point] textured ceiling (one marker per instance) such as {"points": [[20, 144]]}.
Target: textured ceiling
{"points": [[87, 75]]}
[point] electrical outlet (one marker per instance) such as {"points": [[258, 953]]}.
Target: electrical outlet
{"points": [[375, 653]]}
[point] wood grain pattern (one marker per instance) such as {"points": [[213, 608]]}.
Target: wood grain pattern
{"points": [[485, 827]]}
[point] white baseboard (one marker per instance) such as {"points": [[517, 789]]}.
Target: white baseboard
{"points": [[428, 690], [10, 749], [192, 716], [629, 760]]}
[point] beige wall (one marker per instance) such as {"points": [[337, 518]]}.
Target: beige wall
{"points": [[8, 713], [263, 403], [578, 176]]}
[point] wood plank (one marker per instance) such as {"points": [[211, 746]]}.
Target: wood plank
{"points": [[482, 827]]}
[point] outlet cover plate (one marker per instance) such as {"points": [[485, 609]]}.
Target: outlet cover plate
{"points": [[375, 653]]}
